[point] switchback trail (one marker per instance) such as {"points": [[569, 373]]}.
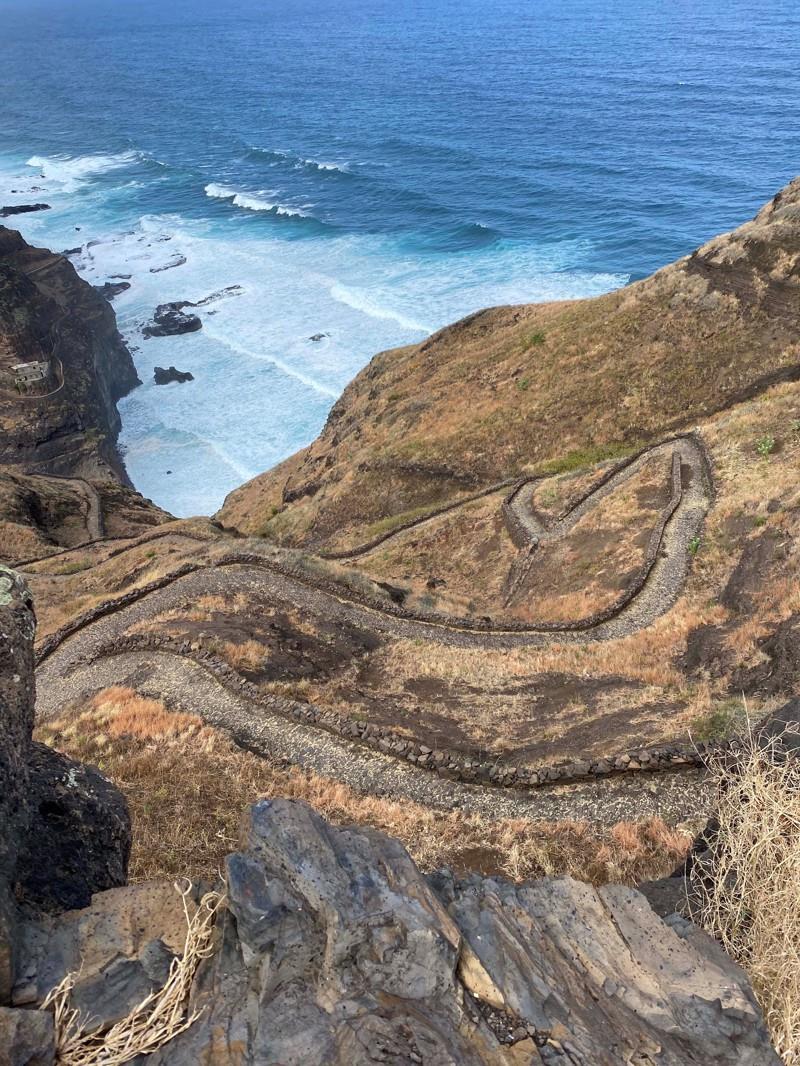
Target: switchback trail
{"points": [[76, 664]]}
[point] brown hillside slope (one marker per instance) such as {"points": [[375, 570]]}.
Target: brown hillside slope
{"points": [[515, 388]]}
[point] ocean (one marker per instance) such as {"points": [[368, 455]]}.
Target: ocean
{"points": [[368, 171]]}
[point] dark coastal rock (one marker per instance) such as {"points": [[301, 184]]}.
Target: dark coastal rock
{"points": [[79, 833], [318, 336], [22, 209], [170, 321], [64, 829], [48, 312], [176, 261], [27, 1037], [112, 288], [164, 377]]}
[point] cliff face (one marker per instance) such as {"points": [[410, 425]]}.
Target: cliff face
{"points": [[520, 387], [69, 423]]}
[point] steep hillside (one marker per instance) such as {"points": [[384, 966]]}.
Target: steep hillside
{"points": [[325, 945], [63, 366], [542, 387], [67, 422]]}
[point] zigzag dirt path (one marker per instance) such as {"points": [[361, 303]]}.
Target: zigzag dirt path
{"points": [[78, 663]]}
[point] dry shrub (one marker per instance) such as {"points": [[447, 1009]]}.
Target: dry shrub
{"points": [[249, 655], [156, 1020], [125, 713], [748, 883], [188, 786]]}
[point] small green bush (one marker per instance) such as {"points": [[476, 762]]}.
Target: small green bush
{"points": [[722, 722], [765, 445], [535, 339], [694, 545]]}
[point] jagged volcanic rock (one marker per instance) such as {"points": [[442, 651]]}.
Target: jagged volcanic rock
{"points": [[110, 289], [22, 209], [64, 829], [164, 377], [170, 321]]}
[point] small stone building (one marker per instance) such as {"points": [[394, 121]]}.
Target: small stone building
{"points": [[27, 374]]}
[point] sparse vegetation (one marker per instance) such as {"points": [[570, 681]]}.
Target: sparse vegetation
{"points": [[748, 883], [583, 457], [765, 445], [723, 721], [187, 785]]}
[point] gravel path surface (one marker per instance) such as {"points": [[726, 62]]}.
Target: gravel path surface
{"points": [[185, 685]]}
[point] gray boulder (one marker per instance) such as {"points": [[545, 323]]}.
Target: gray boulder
{"points": [[336, 951]]}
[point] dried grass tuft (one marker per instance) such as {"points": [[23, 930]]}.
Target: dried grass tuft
{"points": [[159, 1018], [746, 887]]}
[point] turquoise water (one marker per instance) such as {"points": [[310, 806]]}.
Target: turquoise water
{"points": [[370, 171]]}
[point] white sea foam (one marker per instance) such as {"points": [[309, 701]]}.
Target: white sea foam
{"points": [[261, 389], [281, 365], [359, 301], [71, 172]]}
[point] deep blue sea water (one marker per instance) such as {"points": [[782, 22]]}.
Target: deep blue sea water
{"points": [[370, 170]]}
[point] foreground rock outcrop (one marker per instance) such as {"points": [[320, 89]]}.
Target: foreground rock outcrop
{"points": [[64, 829], [334, 949]]}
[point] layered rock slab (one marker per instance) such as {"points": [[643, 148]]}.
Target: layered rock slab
{"points": [[336, 951]]}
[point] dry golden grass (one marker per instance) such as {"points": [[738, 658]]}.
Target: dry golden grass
{"points": [[249, 655], [156, 1020], [187, 786], [748, 884], [482, 397]]}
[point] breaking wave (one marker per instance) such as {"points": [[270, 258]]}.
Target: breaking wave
{"points": [[254, 201]]}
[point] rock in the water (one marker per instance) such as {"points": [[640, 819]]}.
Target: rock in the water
{"points": [[170, 321], [164, 377], [22, 209], [112, 288], [318, 336], [26, 1038], [176, 261]]}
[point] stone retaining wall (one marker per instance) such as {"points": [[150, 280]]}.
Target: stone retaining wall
{"points": [[386, 606], [447, 763], [368, 546]]}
